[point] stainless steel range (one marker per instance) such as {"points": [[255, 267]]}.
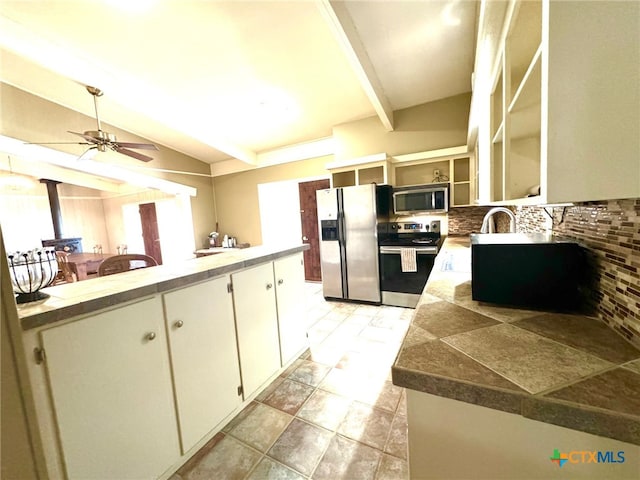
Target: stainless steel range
{"points": [[407, 252]]}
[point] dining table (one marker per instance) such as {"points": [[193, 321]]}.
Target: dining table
{"points": [[87, 263]]}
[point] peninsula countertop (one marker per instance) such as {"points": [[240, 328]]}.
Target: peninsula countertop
{"points": [[567, 370], [80, 298]]}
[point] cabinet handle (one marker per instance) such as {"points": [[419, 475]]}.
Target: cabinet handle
{"points": [[151, 336], [269, 286], [179, 324], [280, 282]]}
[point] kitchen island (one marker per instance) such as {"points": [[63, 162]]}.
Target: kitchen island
{"points": [[495, 392], [71, 299], [130, 374]]}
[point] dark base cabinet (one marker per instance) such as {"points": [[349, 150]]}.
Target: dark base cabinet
{"points": [[541, 274]]}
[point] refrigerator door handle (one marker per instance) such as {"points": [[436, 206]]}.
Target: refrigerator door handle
{"points": [[341, 236], [342, 239]]}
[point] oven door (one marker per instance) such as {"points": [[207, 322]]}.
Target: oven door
{"points": [[404, 288]]}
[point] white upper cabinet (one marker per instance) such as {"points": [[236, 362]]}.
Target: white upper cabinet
{"points": [[556, 115], [454, 165]]}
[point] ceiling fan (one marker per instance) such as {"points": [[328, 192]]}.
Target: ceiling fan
{"points": [[100, 140]]}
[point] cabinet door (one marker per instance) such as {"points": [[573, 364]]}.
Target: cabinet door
{"points": [[292, 322], [257, 325], [111, 387], [204, 357]]}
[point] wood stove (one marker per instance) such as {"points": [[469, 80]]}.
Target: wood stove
{"points": [[69, 245]]}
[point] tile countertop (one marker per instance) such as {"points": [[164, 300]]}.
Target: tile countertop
{"points": [[567, 370], [80, 298]]}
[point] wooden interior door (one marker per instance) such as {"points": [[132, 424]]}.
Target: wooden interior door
{"points": [[150, 235], [309, 220]]}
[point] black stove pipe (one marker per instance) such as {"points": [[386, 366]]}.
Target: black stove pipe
{"points": [[54, 204]]}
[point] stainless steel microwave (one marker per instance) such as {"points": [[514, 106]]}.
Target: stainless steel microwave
{"points": [[421, 199]]}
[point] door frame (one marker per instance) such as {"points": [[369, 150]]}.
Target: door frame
{"points": [[296, 220], [152, 246]]}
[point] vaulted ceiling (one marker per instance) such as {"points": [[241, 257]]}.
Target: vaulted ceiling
{"points": [[235, 79]]}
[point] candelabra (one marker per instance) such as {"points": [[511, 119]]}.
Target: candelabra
{"points": [[30, 272]]}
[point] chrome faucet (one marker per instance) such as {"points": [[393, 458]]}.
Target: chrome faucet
{"points": [[488, 226]]}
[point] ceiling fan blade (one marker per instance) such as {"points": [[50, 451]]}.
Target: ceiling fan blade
{"points": [[86, 137], [131, 153], [56, 143], [142, 146]]}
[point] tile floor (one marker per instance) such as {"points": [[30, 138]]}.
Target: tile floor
{"points": [[333, 414]]}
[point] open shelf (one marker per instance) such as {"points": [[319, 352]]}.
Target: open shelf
{"points": [[461, 194], [461, 169], [421, 173], [499, 135], [516, 107], [497, 105], [523, 42], [344, 179], [525, 166], [497, 169], [555, 100], [456, 166], [528, 92], [371, 175]]}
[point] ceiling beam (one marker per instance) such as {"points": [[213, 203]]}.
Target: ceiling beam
{"points": [[342, 27], [64, 175], [67, 164]]}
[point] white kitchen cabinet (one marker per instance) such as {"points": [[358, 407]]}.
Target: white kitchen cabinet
{"points": [[110, 383], [361, 171], [559, 107], [290, 294], [204, 356], [254, 302]]}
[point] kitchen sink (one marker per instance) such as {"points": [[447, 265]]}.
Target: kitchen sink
{"points": [[528, 270]]}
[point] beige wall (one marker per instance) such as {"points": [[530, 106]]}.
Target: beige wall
{"points": [[426, 127], [237, 195], [96, 217], [26, 217], [33, 119], [430, 126], [17, 460]]}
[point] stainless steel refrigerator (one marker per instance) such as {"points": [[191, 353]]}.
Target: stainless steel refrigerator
{"points": [[348, 219]]}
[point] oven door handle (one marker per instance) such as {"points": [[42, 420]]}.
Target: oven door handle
{"points": [[419, 251]]}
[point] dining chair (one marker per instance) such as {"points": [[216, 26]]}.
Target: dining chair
{"points": [[67, 272], [124, 263]]}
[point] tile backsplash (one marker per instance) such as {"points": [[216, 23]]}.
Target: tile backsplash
{"points": [[466, 220], [610, 230]]}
